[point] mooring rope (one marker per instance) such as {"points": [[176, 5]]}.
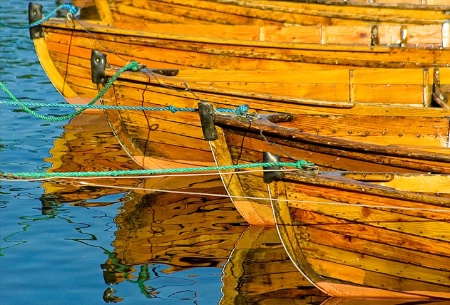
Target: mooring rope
{"points": [[72, 11], [133, 66], [241, 109], [25, 175], [269, 197]]}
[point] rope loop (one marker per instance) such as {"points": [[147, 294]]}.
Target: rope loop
{"points": [[303, 164], [242, 109], [172, 109], [134, 66], [72, 11]]}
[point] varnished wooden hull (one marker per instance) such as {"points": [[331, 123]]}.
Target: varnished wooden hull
{"points": [[242, 59], [374, 144], [259, 271], [266, 12], [230, 71], [245, 47], [325, 60], [152, 136], [363, 238]]}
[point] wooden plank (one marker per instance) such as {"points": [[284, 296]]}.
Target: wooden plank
{"points": [[378, 249], [393, 269]]}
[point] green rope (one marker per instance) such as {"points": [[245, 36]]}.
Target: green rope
{"points": [[240, 109], [300, 164], [71, 9], [133, 66]]}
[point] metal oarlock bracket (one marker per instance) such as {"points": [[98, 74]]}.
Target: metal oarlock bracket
{"points": [[403, 36], [374, 40], [98, 66], [438, 95], [34, 15], [271, 173], [206, 112]]}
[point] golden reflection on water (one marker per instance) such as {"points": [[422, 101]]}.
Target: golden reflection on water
{"points": [[180, 222]]}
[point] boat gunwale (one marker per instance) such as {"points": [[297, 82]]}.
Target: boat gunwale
{"points": [[89, 28], [269, 128]]}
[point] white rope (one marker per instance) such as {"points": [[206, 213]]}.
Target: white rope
{"points": [[265, 198], [83, 181]]}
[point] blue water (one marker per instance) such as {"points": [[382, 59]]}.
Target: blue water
{"points": [[57, 259]]}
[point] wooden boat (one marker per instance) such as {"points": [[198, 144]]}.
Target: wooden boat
{"points": [[238, 68], [374, 235], [123, 13], [259, 271], [64, 49], [172, 134], [87, 144], [330, 142]]}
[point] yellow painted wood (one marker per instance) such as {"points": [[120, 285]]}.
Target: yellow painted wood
{"points": [[50, 69], [104, 11]]}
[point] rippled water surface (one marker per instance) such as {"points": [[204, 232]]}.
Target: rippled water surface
{"points": [[129, 240], [123, 240], [58, 255]]}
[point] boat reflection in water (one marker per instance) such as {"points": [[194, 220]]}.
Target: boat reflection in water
{"points": [[259, 271], [87, 144], [171, 230], [182, 230]]}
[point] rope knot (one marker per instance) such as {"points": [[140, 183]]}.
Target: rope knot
{"points": [[134, 66], [172, 109], [242, 109], [72, 10], [303, 164]]}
